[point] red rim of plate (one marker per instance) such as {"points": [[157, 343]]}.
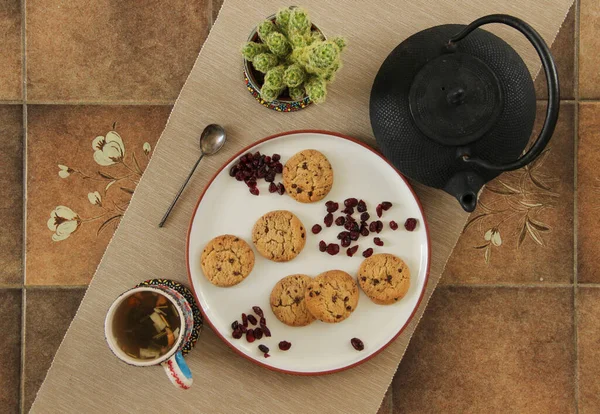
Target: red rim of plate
{"points": [[187, 253]]}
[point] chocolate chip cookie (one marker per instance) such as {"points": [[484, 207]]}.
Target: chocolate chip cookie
{"points": [[287, 300], [279, 236], [332, 296], [308, 176], [227, 260], [384, 277]]}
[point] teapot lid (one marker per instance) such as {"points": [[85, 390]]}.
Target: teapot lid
{"points": [[455, 99]]}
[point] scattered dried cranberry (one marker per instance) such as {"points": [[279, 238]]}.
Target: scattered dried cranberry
{"points": [[386, 205], [272, 188], [233, 170], [365, 216], [237, 333], [235, 325], [332, 207], [350, 252], [328, 220], [351, 202], [263, 348], [316, 229], [373, 226], [357, 344], [379, 210], [379, 225], [346, 242], [276, 157], [333, 249], [340, 221], [251, 182], [368, 252], [361, 207], [284, 345], [252, 319], [279, 168], [250, 335], [266, 330], [378, 241], [254, 191], [343, 234], [266, 355], [349, 225], [393, 225], [258, 333], [280, 189], [322, 245], [410, 224], [348, 210], [258, 311], [244, 320], [354, 235], [262, 321], [364, 231], [243, 329]]}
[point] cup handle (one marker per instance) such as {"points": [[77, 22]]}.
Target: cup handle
{"points": [[178, 371]]}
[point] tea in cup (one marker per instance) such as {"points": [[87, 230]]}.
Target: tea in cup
{"points": [[148, 326]]}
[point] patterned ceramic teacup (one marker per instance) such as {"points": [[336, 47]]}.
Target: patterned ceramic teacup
{"points": [[170, 357]]}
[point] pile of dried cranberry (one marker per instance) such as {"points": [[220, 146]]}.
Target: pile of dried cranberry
{"points": [[242, 328], [253, 167], [354, 228]]}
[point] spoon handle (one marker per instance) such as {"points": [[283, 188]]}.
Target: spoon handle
{"points": [[162, 222]]}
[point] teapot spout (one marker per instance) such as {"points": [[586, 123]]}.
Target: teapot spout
{"points": [[464, 186]]}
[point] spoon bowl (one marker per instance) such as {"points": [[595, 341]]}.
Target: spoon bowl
{"points": [[212, 139]]}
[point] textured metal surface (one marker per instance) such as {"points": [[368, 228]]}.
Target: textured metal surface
{"points": [[455, 99], [424, 159]]}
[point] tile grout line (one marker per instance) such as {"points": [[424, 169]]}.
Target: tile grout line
{"points": [[24, 206], [575, 202], [100, 102], [506, 285]]}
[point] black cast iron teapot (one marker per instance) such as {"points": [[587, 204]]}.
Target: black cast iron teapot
{"points": [[453, 106]]}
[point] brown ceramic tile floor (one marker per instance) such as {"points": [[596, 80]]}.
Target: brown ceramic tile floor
{"points": [[516, 333]]}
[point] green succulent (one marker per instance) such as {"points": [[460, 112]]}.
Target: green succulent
{"points": [[340, 42], [265, 28], [293, 56], [269, 94], [315, 37], [282, 19], [320, 56], [299, 41], [316, 89], [274, 78], [264, 61], [299, 21], [294, 76], [278, 44], [251, 49], [297, 93]]}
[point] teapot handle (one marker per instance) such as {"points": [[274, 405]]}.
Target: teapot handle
{"points": [[552, 84]]}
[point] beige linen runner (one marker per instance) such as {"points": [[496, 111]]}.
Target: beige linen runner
{"points": [[86, 378]]}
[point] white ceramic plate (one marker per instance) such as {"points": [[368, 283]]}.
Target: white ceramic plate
{"points": [[227, 207]]}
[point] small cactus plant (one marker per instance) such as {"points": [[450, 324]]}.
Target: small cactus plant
{"points": [[294, 57]]}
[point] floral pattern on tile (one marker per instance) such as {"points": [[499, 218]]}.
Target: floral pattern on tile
{"points": [[518, 199], [522, 229], [84, 163], [109, 151]]}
